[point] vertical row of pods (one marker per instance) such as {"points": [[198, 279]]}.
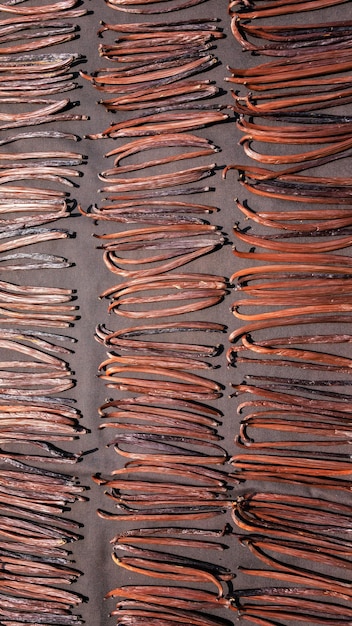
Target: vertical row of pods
{"points": [[38, 416], [169, 489], [293, 309]]}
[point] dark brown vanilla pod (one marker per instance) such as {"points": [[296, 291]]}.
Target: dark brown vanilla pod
{"points": [[132, 338], [316, 578], [275, 219], [252, 10], [164, 514], [123, 82], [207, 23], [158, 212], [288, 40], [160, 556], [292, 133], [208, 476], [294, 400], [170, 97], [312, 519], [185, 405], [175, 530], [308, 612], [108, 174], [61, 5], [176, 596], [172, 541], [161, 123], [206, 290], [154, 237], [292, 596], [161, 451], [319, 360], [156, 193], [291, 69], [293, 186], [294, 32], [115, 365], [168, 565], [154, 425], [327, 554], [149, 143], [171, 261], [168, 571], [160, 181], [328, 434], [335, 148], [301, 101], [137, 612], [124, 5]]}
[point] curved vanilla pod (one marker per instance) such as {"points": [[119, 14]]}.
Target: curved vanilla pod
{"points": [[162, 451], [208, 24], [186, 405], [319, 473], [294, 32], [275, 219], [184, 242], [156, 212], [53, 37], [151, 76], [61, 5], [161, 123], [289, 40], [129, 338], [257, 547], [187, 385], [29, 236], [162, 96], [179, 597], [120, 5], [222, 572], [207, 290], [171, 541], [320, 132], [165, 410], [171, 261], [312, 339], [314, 404], [159, 181], [293, 186], [271, 9], [135, 613], [156, 236], [150, 143], [169, 425], [334, 148], [32, 261], [303, 100], [209, 476], [328, 433], [163, 514], [173, 567]]}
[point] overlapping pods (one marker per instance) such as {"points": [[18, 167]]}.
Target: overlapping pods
{"points": [[36, 420], [170, 457], [294, 307]]}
